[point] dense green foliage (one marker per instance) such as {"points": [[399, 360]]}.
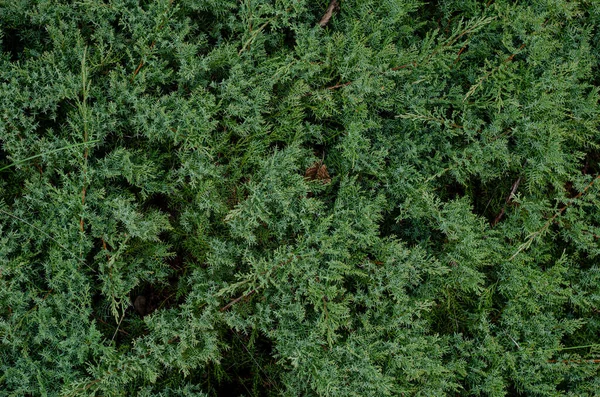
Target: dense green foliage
{"points": [[167, 226]]}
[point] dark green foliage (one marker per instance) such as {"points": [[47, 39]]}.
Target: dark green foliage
{"points": [[160, 234]]}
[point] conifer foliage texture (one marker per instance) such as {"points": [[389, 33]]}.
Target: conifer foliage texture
{"points": [[299, 198]]}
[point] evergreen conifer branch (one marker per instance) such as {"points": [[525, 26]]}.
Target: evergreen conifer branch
{"points": [[25, 160], [275, 198], [531, 237]]}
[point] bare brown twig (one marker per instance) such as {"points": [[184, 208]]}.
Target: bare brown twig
{"points": [[508, 200], [328, 14], [141, 64], [333, 87], [591, 361], [105, 249]]}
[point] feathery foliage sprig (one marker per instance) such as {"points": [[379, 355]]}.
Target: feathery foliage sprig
{"points": [[300, 198]]}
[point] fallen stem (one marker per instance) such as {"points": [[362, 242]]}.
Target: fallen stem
{"points": [[508, 200], [328, 14], [47, 235], [236, 300], [45, 153]]}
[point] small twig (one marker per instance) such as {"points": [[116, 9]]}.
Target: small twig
{"points": [[105, 249], [83, 109], [532, 236], [46, 153], [104, 322], [474, 87], [413, 64], [593, 345], [513, 190], [270, 381], [514, 341], [47, 235], [459, 53], [333, 87], [253, 36], [236, 300], [34, 307], [511, 57], [325, 20], [162, 24], [141, 64], [165, 300], [504, 133], [498, 217], [595, 236], [118, 325], [584, 361], [454, 40], [508, 200]]}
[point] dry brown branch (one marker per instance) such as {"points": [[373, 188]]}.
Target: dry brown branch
{"points": [[460, 53], [590, 361], [325, 20], [333, 87], [105, 249], [141, 64], [508, 200], [404, 66]]}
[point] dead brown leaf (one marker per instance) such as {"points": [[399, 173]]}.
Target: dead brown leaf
{"points": [[318, 171]]}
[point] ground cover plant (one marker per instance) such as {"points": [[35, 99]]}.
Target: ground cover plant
{"points": [[299, 198]]}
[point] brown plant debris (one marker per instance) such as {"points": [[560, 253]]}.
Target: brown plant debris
{"points": [[325, 20], [319, 172], [508, 201]]}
